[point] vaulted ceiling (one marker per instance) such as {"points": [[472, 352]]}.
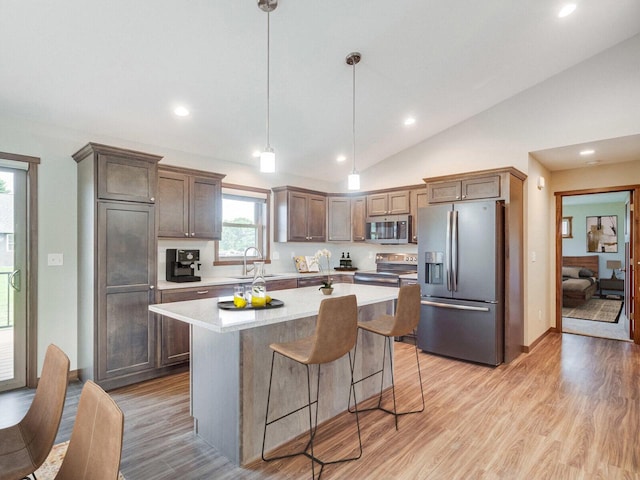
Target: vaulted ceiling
{"points": [[120, 68]]}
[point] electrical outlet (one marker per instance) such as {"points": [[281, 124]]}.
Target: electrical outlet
{"points": [[54, 260]]}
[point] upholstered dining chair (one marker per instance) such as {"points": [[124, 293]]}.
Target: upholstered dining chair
{"points": [[95, 446], [334, 337], [25, 446], [404, 322]]}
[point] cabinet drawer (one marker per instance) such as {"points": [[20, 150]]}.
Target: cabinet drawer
{"points": [[183, 294]]}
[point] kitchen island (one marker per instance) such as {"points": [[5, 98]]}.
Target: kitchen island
{"points": [[230, 361]]}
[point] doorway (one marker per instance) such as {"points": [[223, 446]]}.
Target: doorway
{"points": [[605, 309], [17, 273]]}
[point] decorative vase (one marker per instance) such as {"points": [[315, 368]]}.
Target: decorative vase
{"points": [[327, 290], [258, 286]]}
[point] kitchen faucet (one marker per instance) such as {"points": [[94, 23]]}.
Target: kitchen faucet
{"points": [[245, 268]]}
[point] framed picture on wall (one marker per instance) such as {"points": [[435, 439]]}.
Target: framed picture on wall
{"points": [[602, 234]]}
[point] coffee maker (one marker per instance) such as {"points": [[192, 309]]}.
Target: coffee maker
{"points": [[182, 264]]}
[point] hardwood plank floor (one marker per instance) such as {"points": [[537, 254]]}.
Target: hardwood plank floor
{"points": [[569, 409]]}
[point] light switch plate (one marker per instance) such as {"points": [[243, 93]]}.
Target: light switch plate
{"points": [[55, 259]]}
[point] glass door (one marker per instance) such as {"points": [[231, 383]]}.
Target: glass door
{"points": [[13, 260]]}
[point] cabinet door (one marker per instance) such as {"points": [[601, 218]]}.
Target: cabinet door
{"points": [[205, 219], [377, 204], [358, 218], [442, 192], [398, 202], [297, 221], [339, 219], [173, 205], [174, 334], [122, 178], [127, 272], [317, 218], [284, 284], [483, 187], [418, 200]]}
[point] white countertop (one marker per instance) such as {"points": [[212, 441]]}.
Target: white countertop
{"points": [[298, 303]]}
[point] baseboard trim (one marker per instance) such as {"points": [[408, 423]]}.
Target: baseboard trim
{"points": [[527, 349]]}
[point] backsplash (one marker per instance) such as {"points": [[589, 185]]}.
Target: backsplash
{"points": [[362, 255]]}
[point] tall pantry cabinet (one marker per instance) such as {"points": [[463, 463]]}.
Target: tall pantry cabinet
{"points": [[117, 263]]}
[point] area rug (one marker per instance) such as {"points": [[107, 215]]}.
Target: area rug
{"points": [[597, 309], [52, 464]]}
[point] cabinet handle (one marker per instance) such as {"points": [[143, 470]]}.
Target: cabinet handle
{"points": [[186, 234], [151, 287], [202, 292], [152, 199], [464, 196], [193, 234]]}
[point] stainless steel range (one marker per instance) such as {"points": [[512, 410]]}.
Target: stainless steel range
{"points": [[389, 267]]}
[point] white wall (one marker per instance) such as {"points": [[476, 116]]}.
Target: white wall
{"points": [[594, 100]]}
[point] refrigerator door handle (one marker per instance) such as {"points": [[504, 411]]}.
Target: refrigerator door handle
{"points": [[447, 252], [454, 307], [454, 250]]}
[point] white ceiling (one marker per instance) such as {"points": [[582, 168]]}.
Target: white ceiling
{"points": [[118, 68]]}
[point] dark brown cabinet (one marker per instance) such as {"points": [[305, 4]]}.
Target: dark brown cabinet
{"points": [[117, 252], [395, 202], [339, 219], [189, 204], [358, 218], [173, 343], [475, 188], [299, 215], [418, 199]]}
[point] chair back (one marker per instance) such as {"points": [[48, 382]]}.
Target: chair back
{"points": [[407, 310], [95, 447], [40, 425], [336, 329]]}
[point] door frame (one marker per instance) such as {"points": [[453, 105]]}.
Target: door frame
{"points": [[634, 221], [32, 263]]}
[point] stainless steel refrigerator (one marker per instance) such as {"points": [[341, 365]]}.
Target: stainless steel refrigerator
{"points": [[461, 275]]}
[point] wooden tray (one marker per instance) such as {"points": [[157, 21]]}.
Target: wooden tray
{"points": [[228, 305]]}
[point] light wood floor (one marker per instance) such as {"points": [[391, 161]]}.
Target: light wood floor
{"points": [[569, 409]]}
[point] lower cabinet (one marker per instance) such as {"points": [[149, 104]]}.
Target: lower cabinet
{"points": [[173, 337]]}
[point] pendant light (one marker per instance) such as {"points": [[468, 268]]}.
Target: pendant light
{"points": [[353, 180], [268, 156]]}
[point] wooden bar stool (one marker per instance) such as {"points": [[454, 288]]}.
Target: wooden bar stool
{"points": [[335, 335], [404, 322]]}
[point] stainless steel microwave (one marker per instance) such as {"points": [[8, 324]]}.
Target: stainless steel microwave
{"points": [[388, 230]]}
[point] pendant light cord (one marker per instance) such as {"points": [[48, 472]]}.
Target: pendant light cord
{"points": [[354, 117], [268, 70]]}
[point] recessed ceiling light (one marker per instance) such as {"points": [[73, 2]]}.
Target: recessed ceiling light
{"points": [[409, 121], [341, 158], [256, 153], [587, 152], [567, 10], [181, 111]]}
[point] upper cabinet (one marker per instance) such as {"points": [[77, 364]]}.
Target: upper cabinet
{"points": [[189, 203], [475, 188], [339, 219], [122, 174], [346, 218], [358, 218], [300, 215], [388, 203], [418, 199]]}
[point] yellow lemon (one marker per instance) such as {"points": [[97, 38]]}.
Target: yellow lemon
{"points": [[239, 302], [267, 299], [258, 301]]}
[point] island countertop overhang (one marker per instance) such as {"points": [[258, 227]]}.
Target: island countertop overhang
{"points": [[298, 303]]}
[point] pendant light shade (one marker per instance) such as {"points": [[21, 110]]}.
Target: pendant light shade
{"points": [[268, 156], [353, 180], [268, 160]]}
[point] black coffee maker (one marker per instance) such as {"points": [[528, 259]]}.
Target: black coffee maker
{"points": [[182, 264]]}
